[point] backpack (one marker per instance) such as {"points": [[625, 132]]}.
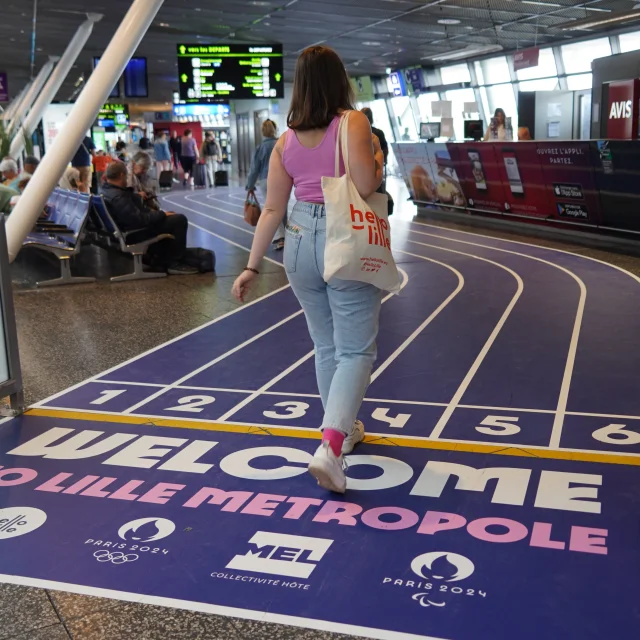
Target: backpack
{"points": [[212, 149], [202, 259]]}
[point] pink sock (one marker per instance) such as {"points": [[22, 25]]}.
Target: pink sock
{"points": [[335, 439]]}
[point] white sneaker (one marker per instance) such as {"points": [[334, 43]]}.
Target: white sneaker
{"points": [[327, 469], [354, 438]]}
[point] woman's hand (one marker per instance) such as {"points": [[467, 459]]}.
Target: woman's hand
{"points": [[242, 284]]}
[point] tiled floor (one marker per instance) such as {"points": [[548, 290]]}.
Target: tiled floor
{"points": [[70, 333]]}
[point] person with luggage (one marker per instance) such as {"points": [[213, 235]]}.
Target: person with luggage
{"points": [[175, 144], [211, 153], [260, 170], [189, 156], [131, 213], [342, 315], [162, 153]]}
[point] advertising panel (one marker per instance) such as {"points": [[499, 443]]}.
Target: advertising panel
{"points": [[477, 167], [417, 171], [54, 118], [525, 192], [448, 190], [622, 114], [570, 180], [363, 89], [617, 175], [526, 58]]}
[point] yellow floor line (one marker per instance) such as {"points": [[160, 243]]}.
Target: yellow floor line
{"points": [[394, 441]]}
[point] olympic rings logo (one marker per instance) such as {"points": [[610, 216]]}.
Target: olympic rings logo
{"points": [[114, 558]]}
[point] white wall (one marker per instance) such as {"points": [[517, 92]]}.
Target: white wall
{"points": [[278, 110]]}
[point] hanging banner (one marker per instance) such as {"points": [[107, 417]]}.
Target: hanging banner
{"points": [[526, 58], [363, 89]]}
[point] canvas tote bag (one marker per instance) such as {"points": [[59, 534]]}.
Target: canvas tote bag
{"points": [[358, 243]]}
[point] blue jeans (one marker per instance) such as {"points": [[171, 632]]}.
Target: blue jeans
{"points": [[342, 317]]}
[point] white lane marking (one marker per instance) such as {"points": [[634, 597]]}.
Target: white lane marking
{"points": [[180, 337], [293, 367], [427, 322], [200, 213], [464, 385], [524, 244], [565, 386], [211, 363]]}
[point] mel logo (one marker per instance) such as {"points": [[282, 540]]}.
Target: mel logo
{"points": [[620, 110], [282, 554], [376, 228]]}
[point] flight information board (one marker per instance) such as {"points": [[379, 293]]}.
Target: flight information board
{"points": [[216, 73]]}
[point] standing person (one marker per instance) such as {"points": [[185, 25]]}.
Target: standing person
{"points": [[382, 139], [211, 152], [497, 129], [121, 151], [405, 136], [100, 163], [260, 170], [82, 161], [162, 153], [189, 155], [175, 144], [342, 316]]}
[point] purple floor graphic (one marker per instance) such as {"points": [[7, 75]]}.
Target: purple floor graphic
{"points": [[492, 346], [425, 544], [489, 341]]}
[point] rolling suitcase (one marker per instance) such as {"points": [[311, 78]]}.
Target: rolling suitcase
{"points": [[165, 181], [221, 179], [199, 176]]}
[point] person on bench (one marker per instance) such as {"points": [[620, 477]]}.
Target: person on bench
{"points": [[130, 213]]}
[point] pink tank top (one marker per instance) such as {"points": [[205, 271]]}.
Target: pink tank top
{"points": [[308, 166]]}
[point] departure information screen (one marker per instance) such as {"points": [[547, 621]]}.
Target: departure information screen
{"points": [[217, 73]]}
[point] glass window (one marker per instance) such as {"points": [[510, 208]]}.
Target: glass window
{"points": [[381, 118], [424, 101], [577, 57], [544, 84], [629, 41], [401, 107], [458, 98], [546, 67], [454, 74], [493, 70], [581, 81]]}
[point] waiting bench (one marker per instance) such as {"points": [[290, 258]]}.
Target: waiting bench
{"points": [[62, 232]]}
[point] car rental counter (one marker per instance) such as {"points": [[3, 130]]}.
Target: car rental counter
{"points": [[593, 184]]}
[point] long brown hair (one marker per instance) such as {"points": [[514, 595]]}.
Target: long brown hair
{"points": [[321, 89]]}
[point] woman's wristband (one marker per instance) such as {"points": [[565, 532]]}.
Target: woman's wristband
{"points": [[252, 270]]}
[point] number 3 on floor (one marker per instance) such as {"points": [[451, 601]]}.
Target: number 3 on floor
{"points": [[291, 410]]}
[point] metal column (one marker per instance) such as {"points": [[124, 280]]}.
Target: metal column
{"points": [[95, 93], [54, 83]]}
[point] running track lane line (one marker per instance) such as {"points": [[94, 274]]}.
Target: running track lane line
{"points": [[295, 365], [563, 397]]}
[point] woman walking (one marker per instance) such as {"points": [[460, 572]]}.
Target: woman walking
{"points": [[342, 316], [260, 170], [188, 156]]}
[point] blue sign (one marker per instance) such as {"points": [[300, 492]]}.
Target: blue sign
{"points": [[414, 78], [429, 542], [395, 84], [201, 110]]}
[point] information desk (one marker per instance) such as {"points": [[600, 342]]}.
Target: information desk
{"points": [[594, 183]]}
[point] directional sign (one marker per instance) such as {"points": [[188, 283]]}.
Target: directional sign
{"points": [[219, 73]]}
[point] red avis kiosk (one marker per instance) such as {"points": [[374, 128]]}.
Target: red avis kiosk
{"points": [[623, 109]]}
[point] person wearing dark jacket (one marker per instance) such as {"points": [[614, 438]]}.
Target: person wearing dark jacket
{"points": [[130, 213], [384, 146]]}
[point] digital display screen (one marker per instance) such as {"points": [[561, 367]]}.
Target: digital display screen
{"points": [[218, 73], [113, 116], [429, 130], [135, 79]]}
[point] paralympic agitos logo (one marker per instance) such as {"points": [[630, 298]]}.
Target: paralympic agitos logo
{"points": [[436, 570]]}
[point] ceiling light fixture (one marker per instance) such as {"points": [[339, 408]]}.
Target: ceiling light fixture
{"points": [[543, 4], [590, 23], [449, 21], [163, 24], [371, 43], [464, 53]]}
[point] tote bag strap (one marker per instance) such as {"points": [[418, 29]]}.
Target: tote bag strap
{"points": [[341, 144]]}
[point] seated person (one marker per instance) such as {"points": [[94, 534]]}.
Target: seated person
{"points": [[141, 181], [30, 165], [524, 134], [131, 213], [9, 171], [70, 179], [6, 195]]}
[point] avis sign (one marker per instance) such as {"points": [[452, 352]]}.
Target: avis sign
{"points": [[622, 123]]}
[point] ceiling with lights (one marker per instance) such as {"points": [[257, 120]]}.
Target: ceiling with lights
{"points": [[370, 35]]}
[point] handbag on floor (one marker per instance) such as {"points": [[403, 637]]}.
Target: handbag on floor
{"points": [[252, 209], [358, 245]]}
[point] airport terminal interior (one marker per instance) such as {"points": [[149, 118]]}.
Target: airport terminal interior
{"points": [[460, 254]]}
